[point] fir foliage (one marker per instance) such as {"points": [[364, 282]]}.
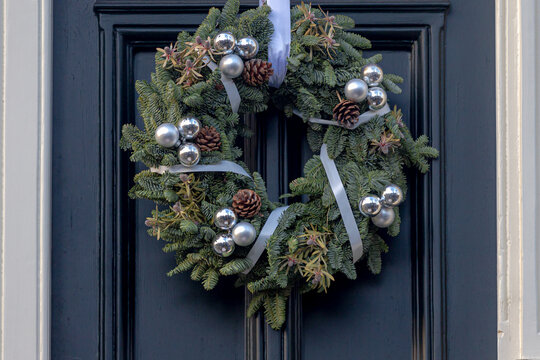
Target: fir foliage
{"points": [[310, 245]]}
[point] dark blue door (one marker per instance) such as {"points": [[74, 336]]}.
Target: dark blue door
{"points": [[436, 298]]}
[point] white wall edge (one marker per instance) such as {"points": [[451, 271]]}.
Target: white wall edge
{"points": [[518, 180], [25, 210], [45, 233]]}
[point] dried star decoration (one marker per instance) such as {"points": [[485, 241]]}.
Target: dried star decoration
{"points": [[329, 22], [169, 53], [200, 49], [190, 73], [308, 20], [327, 32], [323, 29], [386, 143], [190, 60]]}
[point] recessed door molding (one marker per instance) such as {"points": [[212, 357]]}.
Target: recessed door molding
{"points": [[125, 27]]}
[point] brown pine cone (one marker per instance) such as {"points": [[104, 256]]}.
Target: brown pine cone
{"points": [[208, 139], [346, 113], [246, 203], [257, 71]]}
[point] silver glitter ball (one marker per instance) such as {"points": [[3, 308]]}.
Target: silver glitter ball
{"points": [[385, 218], [376, 98], [372, 74], [189, 154], [225, 219], [244, 234], [370, 205], [231, 66], [223, 245], [224, 42], [392, 196], [189, 128], [167, 135], [247, 47], [356, 90]]}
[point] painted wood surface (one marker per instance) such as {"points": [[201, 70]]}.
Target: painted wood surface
{"points": [[436, 296], [25, 179]]}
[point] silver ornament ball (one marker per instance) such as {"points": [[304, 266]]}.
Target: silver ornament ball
{"points": [[223, 245], [392, 196], [247, 47], [376, 98], [167, 135], [189, 154], [225, 219], [231, 66], [224, 42], [244, 234], [370, 205], [356, 90], [385, 218], [189, 128], [372, 74]]}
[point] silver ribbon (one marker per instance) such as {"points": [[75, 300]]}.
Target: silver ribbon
{"points": [[363, 118], [220, 166], [343, 204], [230, 87], [266, 232], [280, 42]]}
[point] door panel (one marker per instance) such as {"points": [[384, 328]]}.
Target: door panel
{"points": [[111, 296]]}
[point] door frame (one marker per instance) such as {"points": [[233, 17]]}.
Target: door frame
{"points": [[518, 182], [25, 265], [25, 182]]}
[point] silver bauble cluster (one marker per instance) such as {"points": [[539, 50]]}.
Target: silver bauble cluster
{"points": [[231, 65], [380, 209], [167, 135], [241, 234], [358, 90], [189, 153]]}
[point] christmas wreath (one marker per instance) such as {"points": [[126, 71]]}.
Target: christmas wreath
{"points": [[212, 212]]}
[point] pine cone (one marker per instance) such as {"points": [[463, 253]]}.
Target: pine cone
{"points": [[208, 139], [257, 71], [246, 203], [346, 113]]}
